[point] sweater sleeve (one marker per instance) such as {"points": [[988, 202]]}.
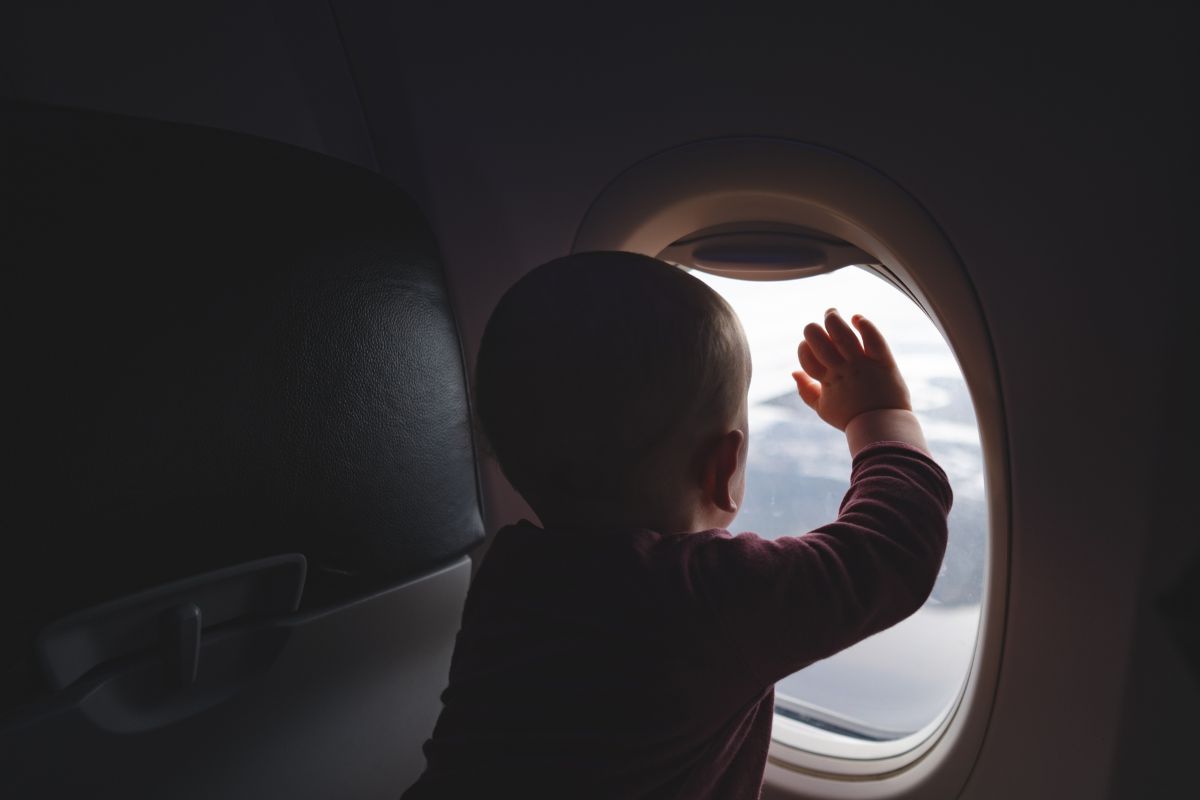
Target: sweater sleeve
{"points": [[782, 604]]}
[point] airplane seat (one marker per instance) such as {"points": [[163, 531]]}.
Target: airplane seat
{"points": [[241, 479]]}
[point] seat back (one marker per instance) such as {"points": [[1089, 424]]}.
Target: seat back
{"points": [[244, 477]]}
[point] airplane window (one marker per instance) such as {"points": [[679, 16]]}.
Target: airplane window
{"points": [[907, 678]]}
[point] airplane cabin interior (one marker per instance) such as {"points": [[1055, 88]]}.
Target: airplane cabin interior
{"points": [[251, 249]]}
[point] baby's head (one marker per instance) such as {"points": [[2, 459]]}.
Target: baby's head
{"points": [[612, 389]]}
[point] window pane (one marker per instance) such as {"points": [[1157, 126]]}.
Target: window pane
{"points": [[904, 678]]}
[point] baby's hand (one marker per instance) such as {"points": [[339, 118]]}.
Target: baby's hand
{"points": [[841, 377]]}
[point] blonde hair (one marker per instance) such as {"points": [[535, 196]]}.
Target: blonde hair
{"points": [[595, 365]]}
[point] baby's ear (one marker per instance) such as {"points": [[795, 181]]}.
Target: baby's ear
{"points": [[722, 465]]}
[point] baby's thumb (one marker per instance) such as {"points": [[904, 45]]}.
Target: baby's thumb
{"points": [[810, 390]]}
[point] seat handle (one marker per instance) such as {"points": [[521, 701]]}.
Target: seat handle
{"points": [[181, 643], [170, 618]]}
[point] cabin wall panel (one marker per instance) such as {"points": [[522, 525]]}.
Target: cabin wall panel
{"points": [[271, 68]]}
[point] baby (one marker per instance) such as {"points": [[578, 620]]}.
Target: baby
{"points": [[628, 646]]}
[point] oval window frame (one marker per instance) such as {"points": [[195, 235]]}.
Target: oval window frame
{"points": [[754, 179]]}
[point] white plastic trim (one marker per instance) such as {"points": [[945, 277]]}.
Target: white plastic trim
{"points": [[698, 185]]}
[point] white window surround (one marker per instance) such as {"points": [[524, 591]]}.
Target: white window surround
{"points": [[695, 186]]}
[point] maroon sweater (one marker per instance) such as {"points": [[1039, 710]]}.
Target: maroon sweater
{"points": [[632, 664]]}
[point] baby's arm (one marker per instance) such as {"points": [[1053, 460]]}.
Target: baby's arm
{"points": [[855, 386], [786, 602]]}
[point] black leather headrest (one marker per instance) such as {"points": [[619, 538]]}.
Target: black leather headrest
{"points": [[217, 348]]}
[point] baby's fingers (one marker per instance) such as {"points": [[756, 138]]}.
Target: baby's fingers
{"points": [[842, 336], [822, 348], [810, 390], [874, 343], [809, 362]]}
